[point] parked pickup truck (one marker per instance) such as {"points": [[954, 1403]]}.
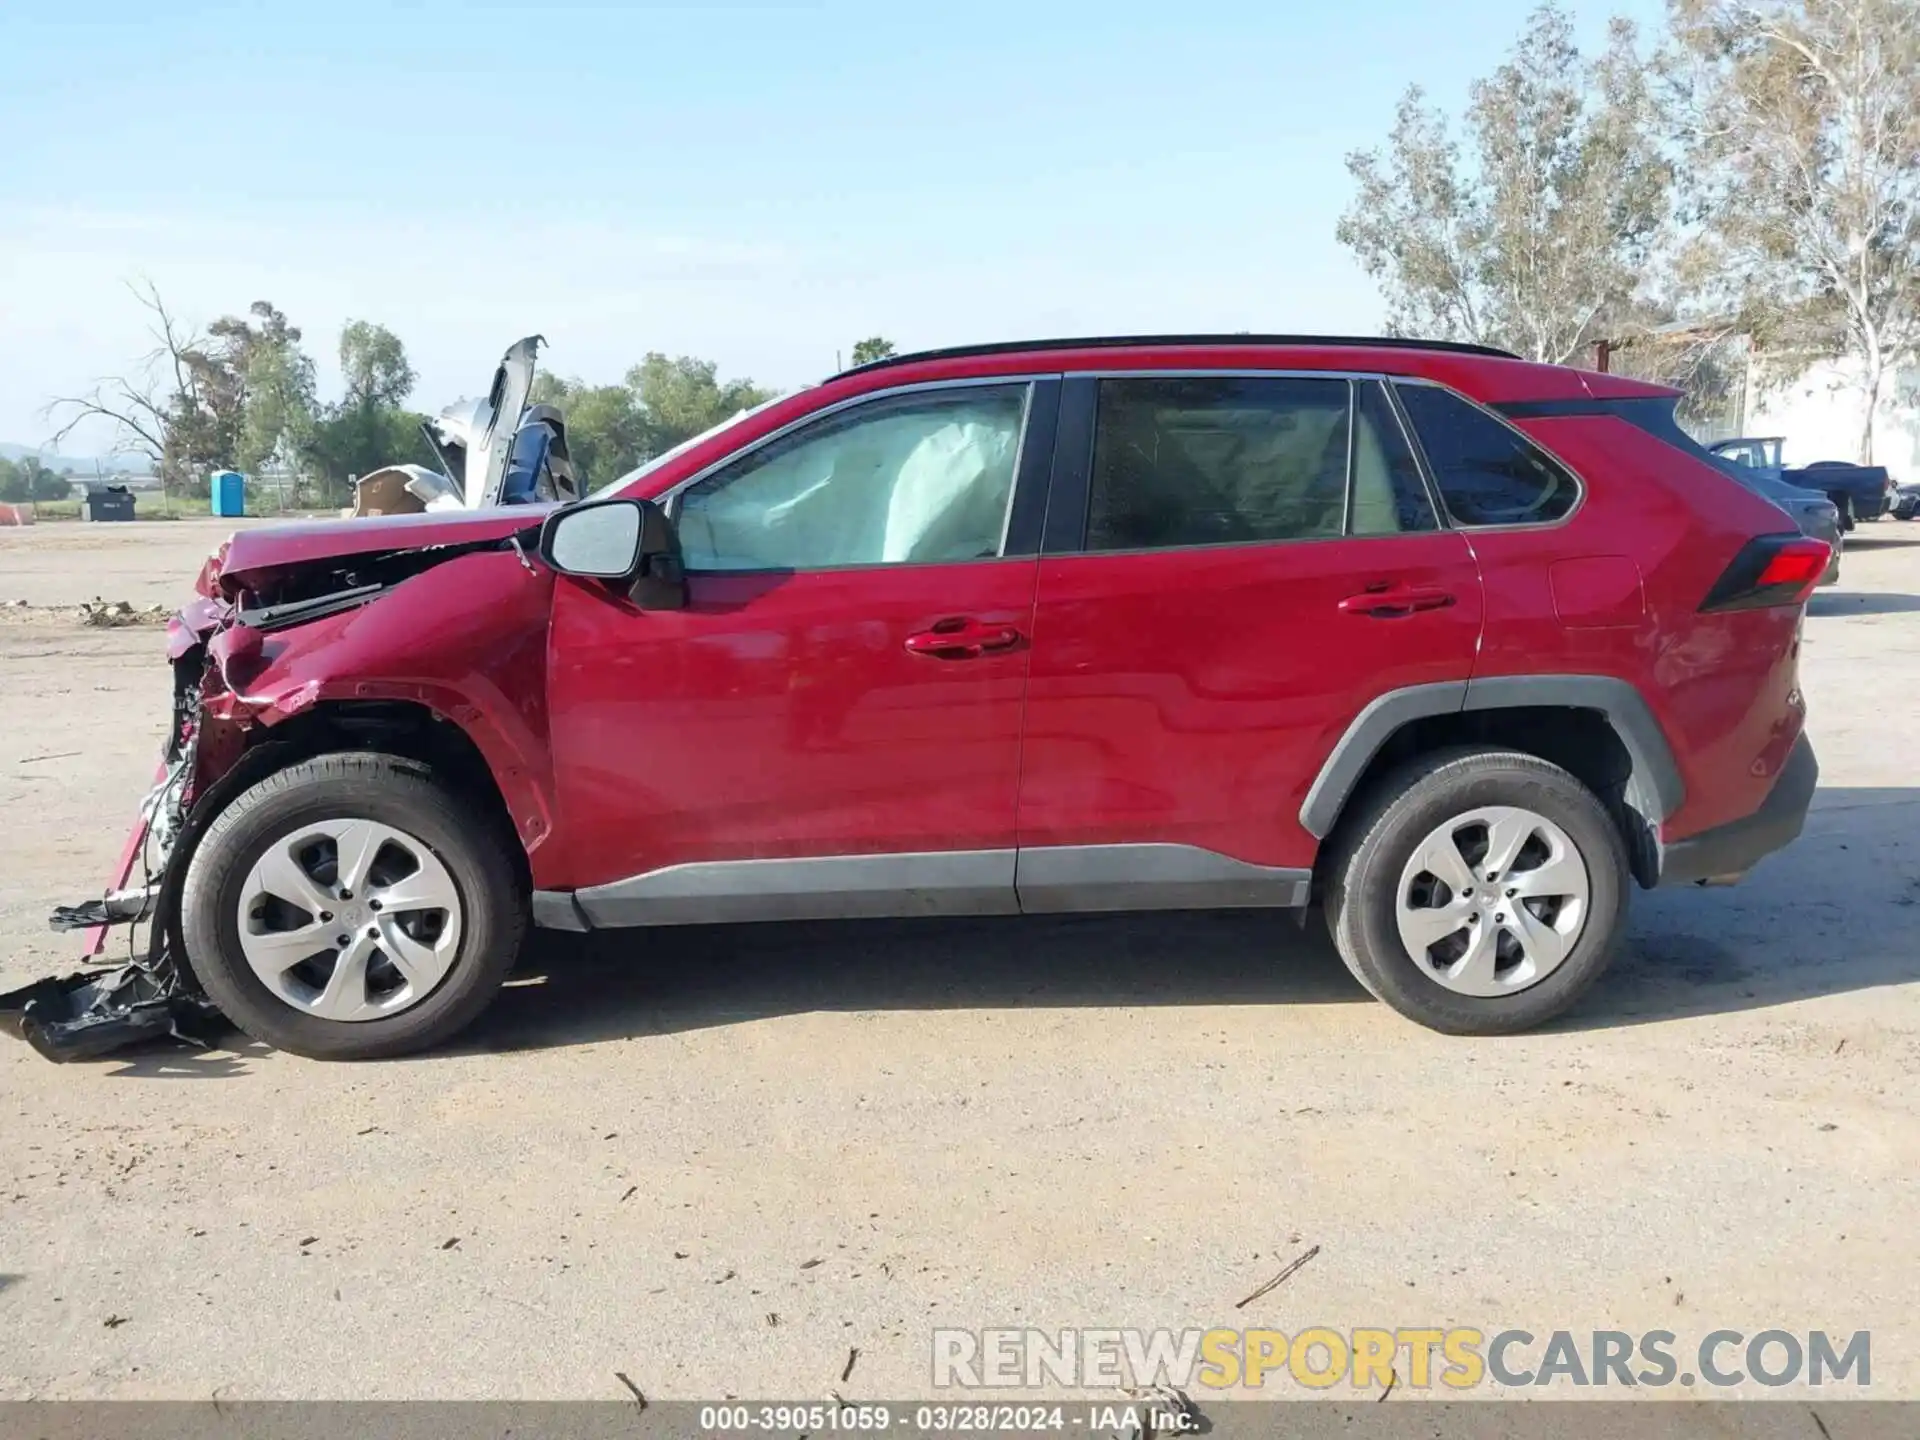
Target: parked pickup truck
{"points": [[1860, 492]]}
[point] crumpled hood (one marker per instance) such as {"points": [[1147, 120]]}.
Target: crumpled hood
{"points": [[250, 556]]}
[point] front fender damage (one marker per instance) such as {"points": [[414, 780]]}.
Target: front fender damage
{"points": [[240, 671]]}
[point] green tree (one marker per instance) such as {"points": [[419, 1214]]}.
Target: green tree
{"points": [[659, 403], [350, 441], [1801, 125], [874, 347], [44, 483], [253, 392], [681, 397], [369, 428], [30, 478], [278, 409], [1538, 238], [374, 365]]}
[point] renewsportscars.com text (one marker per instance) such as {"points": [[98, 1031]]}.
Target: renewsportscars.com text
{"points": [[1412, 1357]]}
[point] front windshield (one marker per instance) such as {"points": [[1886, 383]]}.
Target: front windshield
{"points": [[621, 481]]}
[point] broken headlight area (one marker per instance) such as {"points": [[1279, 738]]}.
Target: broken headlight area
{"points": [[153, 995]]}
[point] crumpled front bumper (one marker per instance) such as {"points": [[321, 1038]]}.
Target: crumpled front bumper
{"points": [[91, 1013], [153, 995]]}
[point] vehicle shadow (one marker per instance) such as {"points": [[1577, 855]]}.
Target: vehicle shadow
{"points": [[1835, 912], [1826, 603], [573, 989], [166, 1059], [1887, 535], [1844, 923]]}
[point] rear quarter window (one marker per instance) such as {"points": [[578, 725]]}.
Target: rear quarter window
{"points": [[1486, 471]]}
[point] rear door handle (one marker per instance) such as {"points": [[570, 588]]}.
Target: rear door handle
{"points": [[1396, 602], [961, 638]]}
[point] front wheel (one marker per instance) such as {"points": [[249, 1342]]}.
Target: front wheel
{"points": [[350, 907], [1479, 892]]}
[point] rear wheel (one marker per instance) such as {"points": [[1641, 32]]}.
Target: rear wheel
{"points": [[1479, 891], [350, 907]]}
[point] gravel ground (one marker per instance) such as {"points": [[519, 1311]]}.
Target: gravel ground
{"points": [[719, 1160]]}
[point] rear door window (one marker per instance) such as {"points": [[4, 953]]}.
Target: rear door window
{"points": [[1217, 461], [1486, 471], [1389, 497], [1231, 459]]}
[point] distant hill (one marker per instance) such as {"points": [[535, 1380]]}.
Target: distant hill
{"points": [[131, 463]]}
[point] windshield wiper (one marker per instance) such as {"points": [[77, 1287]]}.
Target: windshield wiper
{"points": [[298, 612]]}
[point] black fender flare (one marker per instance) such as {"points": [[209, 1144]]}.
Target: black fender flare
{"points": [[1655, 788]]}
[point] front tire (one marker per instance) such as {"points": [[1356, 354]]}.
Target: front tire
{"points": [[1479, 891], [350, 907]]}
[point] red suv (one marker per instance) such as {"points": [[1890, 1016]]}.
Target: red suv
{"points": [[1456, 646]]}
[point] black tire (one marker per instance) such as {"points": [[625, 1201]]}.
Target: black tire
{"points": [[393, 791], [1398, 813]]}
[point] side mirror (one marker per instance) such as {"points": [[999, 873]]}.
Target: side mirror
{"points": [[619, 541]]}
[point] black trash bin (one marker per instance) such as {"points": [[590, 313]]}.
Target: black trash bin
{"points": [[109, 502]]}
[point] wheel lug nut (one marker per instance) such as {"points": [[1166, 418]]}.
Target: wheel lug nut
{"points": [[325, 915], [1512, 893], [375, 904], [346, 894], [341, 940]]}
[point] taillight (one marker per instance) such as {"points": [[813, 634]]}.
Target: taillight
{"points": [[1772, 570]]}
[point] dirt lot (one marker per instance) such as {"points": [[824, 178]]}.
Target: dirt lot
{"points": [[720, 1160]]}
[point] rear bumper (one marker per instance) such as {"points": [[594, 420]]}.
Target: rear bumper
{"points": [[1729, 851]]}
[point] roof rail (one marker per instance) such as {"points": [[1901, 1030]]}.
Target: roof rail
{"points": [[1088, 342]]}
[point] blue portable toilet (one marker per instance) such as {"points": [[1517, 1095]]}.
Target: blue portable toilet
{"points": [[228, 492]]}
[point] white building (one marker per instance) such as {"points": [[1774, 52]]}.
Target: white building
{"points": [[1820, 414]]}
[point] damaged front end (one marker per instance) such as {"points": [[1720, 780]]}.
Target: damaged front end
{"points": [[153, 995], [270, 635]]}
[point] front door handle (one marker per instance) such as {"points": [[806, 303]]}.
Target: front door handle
{"points": [[1396, 602], [961, 638]]}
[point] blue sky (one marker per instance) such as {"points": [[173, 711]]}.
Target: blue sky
{"points": [[759, 185]]}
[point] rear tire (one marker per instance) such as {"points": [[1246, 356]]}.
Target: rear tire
{"points": [[1502, 968], [331, 974]]}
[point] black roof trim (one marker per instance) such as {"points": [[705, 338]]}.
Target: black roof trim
{"points": [[1089, 342]]}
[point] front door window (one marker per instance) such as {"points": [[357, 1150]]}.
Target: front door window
{"points": [[919, 478]]}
